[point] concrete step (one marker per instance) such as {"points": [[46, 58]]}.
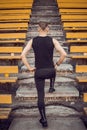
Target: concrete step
{"points": [[51, 27], [42, 12], [29, 93], [46, 19], [55, 123], [45, 7]]}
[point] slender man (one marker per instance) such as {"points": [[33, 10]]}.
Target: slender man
{"points": [[45, 68]]}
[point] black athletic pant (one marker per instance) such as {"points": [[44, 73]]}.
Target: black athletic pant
{"points": [[40, 76]]}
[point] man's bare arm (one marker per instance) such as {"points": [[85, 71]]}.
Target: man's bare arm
{"points": [[61, 51], [24, 53]]}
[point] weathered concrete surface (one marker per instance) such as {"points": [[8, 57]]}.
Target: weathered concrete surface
{"points": [[54, 124], [61, 91], [51, 110]]}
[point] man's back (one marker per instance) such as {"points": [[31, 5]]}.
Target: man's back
{"points": [[43, 48]]}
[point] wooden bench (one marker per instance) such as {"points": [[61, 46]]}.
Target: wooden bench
{"points": [[73, 11], [85, 98], [76, 37], [73, 17], [75, 26], [15, 1], [15, 11], [7, 74], [5, 99], [78, 49], [14, 18], [16, 6], [10, 52], [11, 36], [70, 1], [13, 26], [72, 5], [81, 69]]}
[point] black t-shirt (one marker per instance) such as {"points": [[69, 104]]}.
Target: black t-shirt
{"points": [[43, 49]]}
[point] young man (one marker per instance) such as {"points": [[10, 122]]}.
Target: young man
{"points": [[43, 47]]}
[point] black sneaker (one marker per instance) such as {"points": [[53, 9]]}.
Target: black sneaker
{"points": [[44, 123], [51, 90]]}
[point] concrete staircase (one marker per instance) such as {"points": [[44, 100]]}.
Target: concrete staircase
{"points": [[47, 10]]}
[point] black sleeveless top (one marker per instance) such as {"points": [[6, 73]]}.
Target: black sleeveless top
{"points": [[43, 49]]}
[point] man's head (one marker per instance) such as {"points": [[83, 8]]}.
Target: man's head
{"points": [[43, 26]]}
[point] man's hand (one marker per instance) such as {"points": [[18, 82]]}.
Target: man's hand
{"points": [[32, 69]]}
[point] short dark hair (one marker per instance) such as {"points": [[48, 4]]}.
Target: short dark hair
{"points": [[43, 25]]}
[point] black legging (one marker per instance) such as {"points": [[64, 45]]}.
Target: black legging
{"points": [[40, 76]]}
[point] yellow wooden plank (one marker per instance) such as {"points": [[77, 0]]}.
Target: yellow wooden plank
{"points": [[77, 41], [73, 11], [72, 5], [79, 56], [12, 35], [11, 49], [81, 68], [4, 116], [75, 24], [4, 113], [8, 69], [10, 57], [15, 6], [13, 1], [5, 98], [13, 25], [15, 11], [78, 49], [85, 97], [76, 35], [16, 41], [75, 29], [68, 17], [82, 79], [67, 1], [16, 2], [16, 17], [8, 79]]}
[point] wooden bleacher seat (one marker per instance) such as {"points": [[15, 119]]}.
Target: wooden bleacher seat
{"points": [[17, 41], [10, 52], [13, 26], [76, 1], [74, 50], [7, 74], [15, 1], [85, 97], [75, 26], [73, 17], [73, 37], [81, 69], [15, 11], [5, 99], [72, 5], [15, 18], [16, 6], [11, 36], [73, 11]]}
